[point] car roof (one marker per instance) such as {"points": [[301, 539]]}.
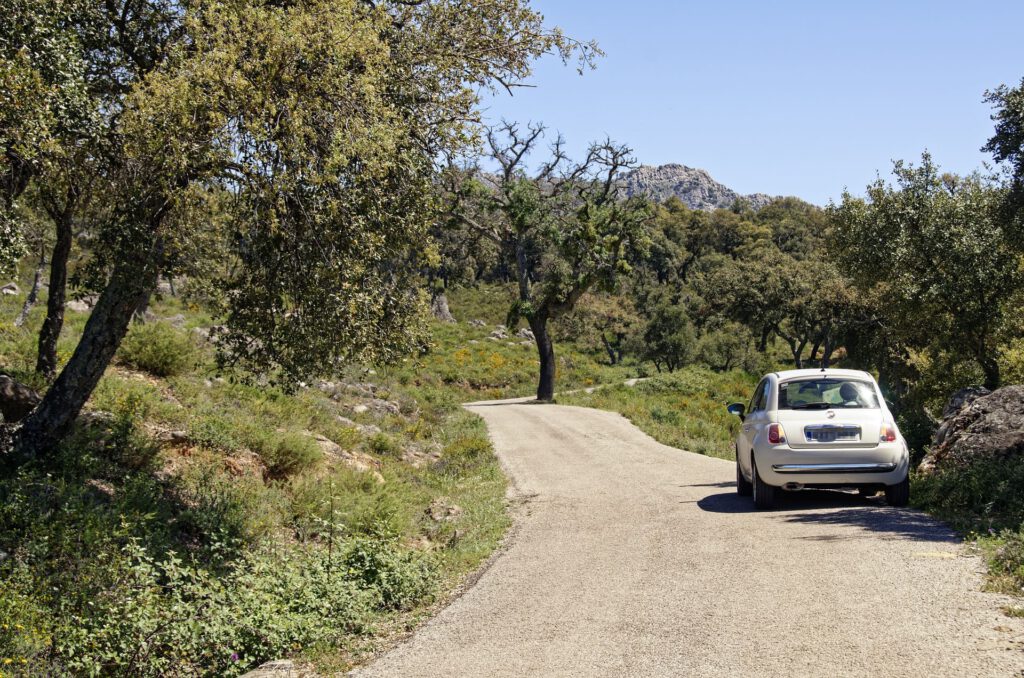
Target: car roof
{"points": [[786, 375]]}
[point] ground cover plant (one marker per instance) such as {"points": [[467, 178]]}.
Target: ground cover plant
{"points": [[194, 524]]}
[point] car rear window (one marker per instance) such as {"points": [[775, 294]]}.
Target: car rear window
{"points": [[821, 394]]}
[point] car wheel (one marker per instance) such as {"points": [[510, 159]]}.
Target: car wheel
{"points": [[743, 486], [764, 494], [898, 494]]}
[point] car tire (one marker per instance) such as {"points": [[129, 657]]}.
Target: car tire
{"points": [[744, 488], [898, 494], [764, 494]]}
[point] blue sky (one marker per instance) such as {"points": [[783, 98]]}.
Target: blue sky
{"points": [[791, 98]]}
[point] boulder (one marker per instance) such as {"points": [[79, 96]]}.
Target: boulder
{"points": [[525, 333], [176, 321], [441, 510], [359, 461], [439, 308], [978, 425], [78, 305], [10, 289], [499, 332], [477, 323], [16, 399]]}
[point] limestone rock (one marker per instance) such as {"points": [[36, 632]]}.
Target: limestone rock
{"points": [[79, 306], [693, 186], [978, 426], [441, 510]]}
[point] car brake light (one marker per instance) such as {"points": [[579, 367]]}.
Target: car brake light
{"points": [[888, 433], [776, 434]]}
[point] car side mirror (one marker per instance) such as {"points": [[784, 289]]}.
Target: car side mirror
{"points": [[738, 409]]}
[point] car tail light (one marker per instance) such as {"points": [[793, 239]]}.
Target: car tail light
{"points": [[776, 434], [888, 433]]}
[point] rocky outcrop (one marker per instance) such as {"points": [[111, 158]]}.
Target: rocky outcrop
{"points": [[439, 308], [978, 425], [16, 399], [693, 186]]}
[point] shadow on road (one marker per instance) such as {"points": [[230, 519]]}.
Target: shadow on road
{"points": [[829, 507]]}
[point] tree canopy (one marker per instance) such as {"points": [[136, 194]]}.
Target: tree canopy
{"points": [[284, 153]]}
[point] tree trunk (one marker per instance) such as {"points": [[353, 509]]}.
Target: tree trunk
{"points": [[814, 352], [130, 283], [546, 350], [33, 294], [49, 333], [762, 343], [991, 369], [826, 354], [140, 313], [609, 349]]}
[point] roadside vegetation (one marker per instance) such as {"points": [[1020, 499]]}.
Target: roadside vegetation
{"points": [[231, 427], [208, 524]]}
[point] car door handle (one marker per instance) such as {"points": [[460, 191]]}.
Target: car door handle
{"points": [[747, 428]]}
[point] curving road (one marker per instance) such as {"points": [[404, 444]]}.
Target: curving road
{"points": [[631, 558]]}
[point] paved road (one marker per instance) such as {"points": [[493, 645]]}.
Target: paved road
{"points": [[631, 558]]}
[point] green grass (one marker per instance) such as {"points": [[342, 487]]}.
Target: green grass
{"points": [[685, 409], [187, 486]]}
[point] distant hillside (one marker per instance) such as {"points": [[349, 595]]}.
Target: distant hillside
{"points": [[693, 186]]}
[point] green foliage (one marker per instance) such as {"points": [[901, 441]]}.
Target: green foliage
{"points": [[669, 339], [1007, 146], [159, 348], [153, 617], [244, 561], [728, 347], [568, 230], [288, 453], [382, 444], [400, 577], [985, 498], [466, 454], [935, 249]]}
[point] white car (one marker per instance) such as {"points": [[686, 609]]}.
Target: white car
{"points": [[819, 428]]}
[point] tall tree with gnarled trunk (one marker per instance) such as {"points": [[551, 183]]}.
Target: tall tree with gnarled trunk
{"points": [[566, 227]]}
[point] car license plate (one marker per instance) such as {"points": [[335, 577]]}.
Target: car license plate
{"points": [[824, 436]]}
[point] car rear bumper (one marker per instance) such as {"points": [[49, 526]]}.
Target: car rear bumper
{"points": [[883, 467], [880, 465]]}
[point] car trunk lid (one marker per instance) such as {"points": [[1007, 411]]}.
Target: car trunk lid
{"points": [[838, 428]]}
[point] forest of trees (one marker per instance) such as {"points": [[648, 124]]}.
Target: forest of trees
{"points": [[317, 194], [919, 280]]}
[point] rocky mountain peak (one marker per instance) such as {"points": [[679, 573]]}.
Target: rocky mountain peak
{"points": [[692, 185]]}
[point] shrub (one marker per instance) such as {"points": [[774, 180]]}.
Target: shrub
{"points": [[1006, 561], [464, 454], [155, 617], [403, 578], [158, 348], [384, 445], [288, 453], [213, 432]]}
